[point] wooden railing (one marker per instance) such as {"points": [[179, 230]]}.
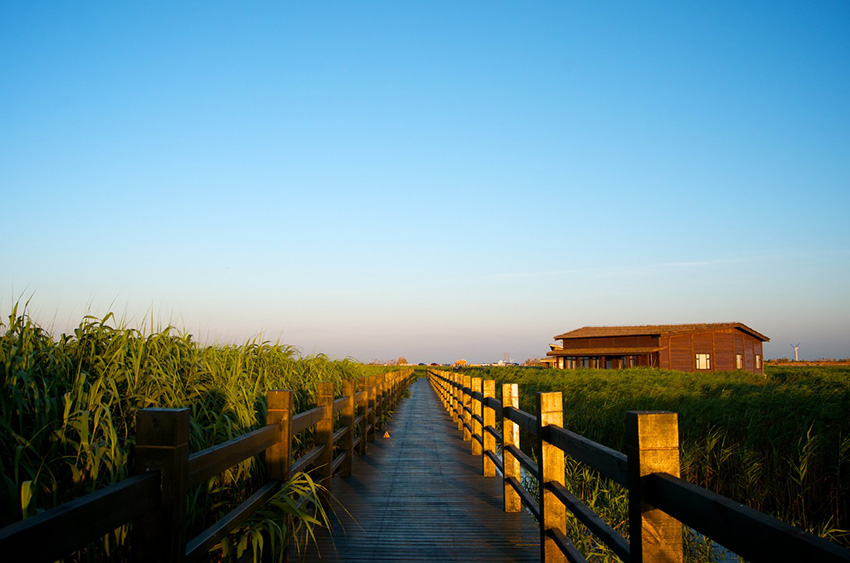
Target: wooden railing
{"points": [[154, 500], [659, 501]]}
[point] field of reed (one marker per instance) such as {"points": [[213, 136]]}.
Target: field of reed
{"points": [[779, 444], [67, 411]]}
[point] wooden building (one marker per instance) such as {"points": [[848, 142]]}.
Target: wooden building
{"points": [[692, 347]]}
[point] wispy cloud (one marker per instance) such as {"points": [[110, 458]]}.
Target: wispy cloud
{"points": [[605, 271]]}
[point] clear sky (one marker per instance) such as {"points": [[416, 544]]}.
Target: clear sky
{"points": [[437, 180]]}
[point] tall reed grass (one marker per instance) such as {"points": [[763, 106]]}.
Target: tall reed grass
{"points": [[779, 444], [67, 415]]}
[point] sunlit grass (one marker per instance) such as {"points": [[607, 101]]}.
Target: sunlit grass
{"points": [[68, 415], [779, 444]]}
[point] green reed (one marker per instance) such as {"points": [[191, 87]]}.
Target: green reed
{"points": [[67, 420], [779, 444]]}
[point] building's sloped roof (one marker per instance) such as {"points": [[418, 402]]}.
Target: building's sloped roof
{"points": [[603, 351], [648, 330]]}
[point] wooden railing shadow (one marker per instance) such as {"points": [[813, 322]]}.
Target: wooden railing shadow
{"points": [[154, 499], [659, 501]]}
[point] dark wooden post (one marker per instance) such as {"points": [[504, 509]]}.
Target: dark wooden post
{"points": [[279, 411], [550, 465], [348, 422], [380, 406], [488, 468], [451, 397], [476, 411], [280, 406], [652, 446], [385, 397], [456, 418], [371, 406], [387, 377], [364, 423], [460, 400], [387, 394], [376, 382], [162, 444], [467, 404], [510, 437], [387, 403], [325, 433]]}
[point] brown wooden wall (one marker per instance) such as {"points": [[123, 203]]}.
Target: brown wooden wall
{"points": [[679, 351]]}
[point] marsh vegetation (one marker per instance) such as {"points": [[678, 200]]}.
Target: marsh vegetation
{"points": [[779, 444], [67, 420]]}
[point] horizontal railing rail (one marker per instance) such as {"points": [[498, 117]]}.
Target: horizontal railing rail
{"points": [[751, 534], [154, 500], [659, 501], [216, 459], [74, 524]]}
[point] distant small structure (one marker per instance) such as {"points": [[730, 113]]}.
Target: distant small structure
{"points": [[796, 348]]}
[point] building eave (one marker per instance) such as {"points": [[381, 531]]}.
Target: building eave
{"points": [[595, 352]]}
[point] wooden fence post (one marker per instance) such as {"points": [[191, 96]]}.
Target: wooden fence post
{"points": [[385, 394], [370, 412], [452, 398], [510, 437], [550, 466], [325, 433], [467, 404], [476, 411], [348, 422], [652, 446], [488, 468], [362, 385], [376, 392], [390, 378], [438, 386], [456, 418], [456, 400], [162, 443], [280, 405]]}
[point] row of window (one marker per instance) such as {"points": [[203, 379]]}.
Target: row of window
{"points": [[704, 361]]}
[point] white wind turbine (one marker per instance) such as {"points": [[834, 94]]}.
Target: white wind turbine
{"points": [[796, 348]]}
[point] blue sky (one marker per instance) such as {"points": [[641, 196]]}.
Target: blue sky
{"points": [[435, 180]]}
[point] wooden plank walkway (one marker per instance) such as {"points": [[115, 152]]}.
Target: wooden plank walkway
{"points": [[419, 496]]}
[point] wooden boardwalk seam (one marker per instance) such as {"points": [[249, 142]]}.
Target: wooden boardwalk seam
{"points": [[419, 496]]}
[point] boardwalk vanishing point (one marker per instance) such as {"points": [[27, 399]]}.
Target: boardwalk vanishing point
{"points": [[419, 496]]}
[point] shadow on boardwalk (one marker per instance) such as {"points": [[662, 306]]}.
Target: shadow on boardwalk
{"points": [[419, 496]]}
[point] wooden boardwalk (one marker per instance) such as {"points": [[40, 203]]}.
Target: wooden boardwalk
{"points": [[419, 496]]}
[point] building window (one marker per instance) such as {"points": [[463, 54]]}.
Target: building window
{"points": [[758, 361], [739, 361], [703, 361]]}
